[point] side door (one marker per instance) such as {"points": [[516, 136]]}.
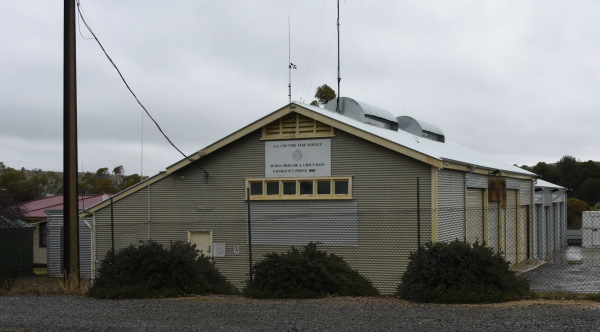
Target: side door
{"points": [[202, 240]]}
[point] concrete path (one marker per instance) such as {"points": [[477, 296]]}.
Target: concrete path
{"points": [[575, 270]]}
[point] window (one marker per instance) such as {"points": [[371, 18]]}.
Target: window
{"points": [[272, 188], [256, 188], [306, 187], [289, 187], [341, 187], [301, 188], [323, 187]]}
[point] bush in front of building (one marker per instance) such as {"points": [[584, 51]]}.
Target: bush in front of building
{"points": [[152, 271], [460, 272], [306, 273]]}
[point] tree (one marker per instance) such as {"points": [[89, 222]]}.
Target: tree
{"points": [[314, 103], [590, 191], [129, 181], [102, 172], [45, 184], [324, 94], [17, 184], [569, 169], [119, 170], [574, 209], [87, 183], [548, 172], [8, 206]]}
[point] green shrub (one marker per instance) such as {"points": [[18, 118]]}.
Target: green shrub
{"points": [[306, 273], [459, 272], [151, 271]]}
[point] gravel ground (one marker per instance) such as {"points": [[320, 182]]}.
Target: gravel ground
{"points": [[232, 313]]}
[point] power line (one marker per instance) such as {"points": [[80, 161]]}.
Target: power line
{"points": [[133, 94], [382, 56], [310, 70], [369, 69]]}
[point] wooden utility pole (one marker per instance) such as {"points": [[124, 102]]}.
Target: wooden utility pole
{"points": [[70, 214]]}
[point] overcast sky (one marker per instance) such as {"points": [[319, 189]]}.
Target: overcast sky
{"points": [[515, 79]]}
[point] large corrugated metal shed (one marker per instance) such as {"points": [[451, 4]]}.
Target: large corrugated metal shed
{"points": [[436, 153]]}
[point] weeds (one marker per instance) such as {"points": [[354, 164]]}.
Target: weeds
{"points": [[72, 285], [38, 285], [566, 296]]}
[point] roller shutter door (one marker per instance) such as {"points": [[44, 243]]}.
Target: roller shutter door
{"points": [[475, 211], [451, 203], [549, 230], [510, 226], [493, 225], [524, 233], [540, 216]]}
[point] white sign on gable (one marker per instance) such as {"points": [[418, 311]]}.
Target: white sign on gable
{"points": [[298, 158]]}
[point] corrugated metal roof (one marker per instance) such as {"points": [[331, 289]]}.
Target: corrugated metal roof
{"points": [[352, 106], [545, 184], [448, 151], [35, 209], [6, 222]]}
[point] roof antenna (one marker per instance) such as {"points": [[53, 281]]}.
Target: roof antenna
{"points": [[291, 65], [337, 103]]}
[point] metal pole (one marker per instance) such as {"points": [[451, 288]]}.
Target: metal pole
{"points": [[249, 234], [337, 105], [71, 218], [289, 62], [112, 225], [418, 214]]}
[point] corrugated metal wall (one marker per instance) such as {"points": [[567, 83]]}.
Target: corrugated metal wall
{"points": [[476, 180], [541, 237], [55, 246], [526, 189], [550, 229], [451, 195], [557, 232], [382, 180], [16, 251]]}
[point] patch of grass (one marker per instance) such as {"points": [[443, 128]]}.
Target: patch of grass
{"points": [[42, 285], [566, 296], [72, 286]]}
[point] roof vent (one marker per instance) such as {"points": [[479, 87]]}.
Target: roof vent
{"points": [[420, 128], [364, 112]]}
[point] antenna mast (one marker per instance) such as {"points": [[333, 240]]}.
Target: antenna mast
{"points": [[337, 104], [291, 65]]}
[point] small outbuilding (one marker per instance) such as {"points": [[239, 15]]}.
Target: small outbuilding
{"points": [[551, 218], [16, 247], [46, 215], [590, 228]]}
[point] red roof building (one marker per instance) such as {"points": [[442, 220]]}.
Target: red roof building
{"points": [[34, 210]]}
